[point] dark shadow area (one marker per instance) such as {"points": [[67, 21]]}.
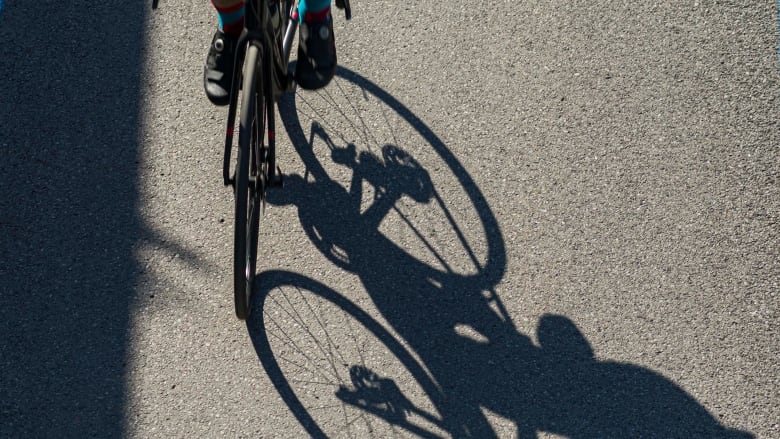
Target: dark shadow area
{"points": [[70, 122], [555, 386]]}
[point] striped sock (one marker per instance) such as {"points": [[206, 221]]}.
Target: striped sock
{"points": [[231, 18], [314, 11]]}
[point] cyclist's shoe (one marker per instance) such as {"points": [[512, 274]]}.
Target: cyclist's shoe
{"points": [[218, 73], [316, 64]]}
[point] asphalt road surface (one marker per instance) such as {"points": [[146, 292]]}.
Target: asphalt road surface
{"points": [[501, 219]]}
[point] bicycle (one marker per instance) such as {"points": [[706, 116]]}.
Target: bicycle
{"points": [[263, 53]]}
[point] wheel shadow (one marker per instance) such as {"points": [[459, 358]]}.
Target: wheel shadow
{"points": [[467, 353], [290, 296]]}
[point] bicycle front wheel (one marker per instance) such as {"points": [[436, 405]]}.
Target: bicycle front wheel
{"points": [[249, 183]]}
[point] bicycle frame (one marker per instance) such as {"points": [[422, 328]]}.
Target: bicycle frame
{"points": [[260, 68], [258, 30]]}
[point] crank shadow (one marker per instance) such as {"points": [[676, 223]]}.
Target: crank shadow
{"points": [[456, 322]]}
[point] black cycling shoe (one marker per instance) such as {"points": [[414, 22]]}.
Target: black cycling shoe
{"points": [[316, 64], [218, 73]]}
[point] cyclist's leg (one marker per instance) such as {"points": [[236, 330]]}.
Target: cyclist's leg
{"points": [[313, 7], [230, 14], [218, 73], [317, 45]]}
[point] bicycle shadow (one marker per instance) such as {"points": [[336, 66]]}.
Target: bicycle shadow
{"points": [[455, 322]]}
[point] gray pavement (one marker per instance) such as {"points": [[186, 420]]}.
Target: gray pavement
{"points": [[501, 219]]}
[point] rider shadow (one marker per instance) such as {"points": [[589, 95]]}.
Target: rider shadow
{"points": [[456, 323]]}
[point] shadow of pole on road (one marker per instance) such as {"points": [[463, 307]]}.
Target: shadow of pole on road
{"points": [[70, 123]]}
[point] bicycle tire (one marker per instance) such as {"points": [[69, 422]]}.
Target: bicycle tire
{"points": [[248, 190]]}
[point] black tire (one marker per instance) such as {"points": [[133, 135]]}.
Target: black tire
{"points": [[249, 182], [280, 23], [284, 7]]}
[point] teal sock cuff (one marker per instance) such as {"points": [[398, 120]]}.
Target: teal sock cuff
{"points": [[229, 17], [305, 6]]}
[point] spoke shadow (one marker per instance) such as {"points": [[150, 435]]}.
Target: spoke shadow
{"points": [[454, 321], [286, 303]]}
